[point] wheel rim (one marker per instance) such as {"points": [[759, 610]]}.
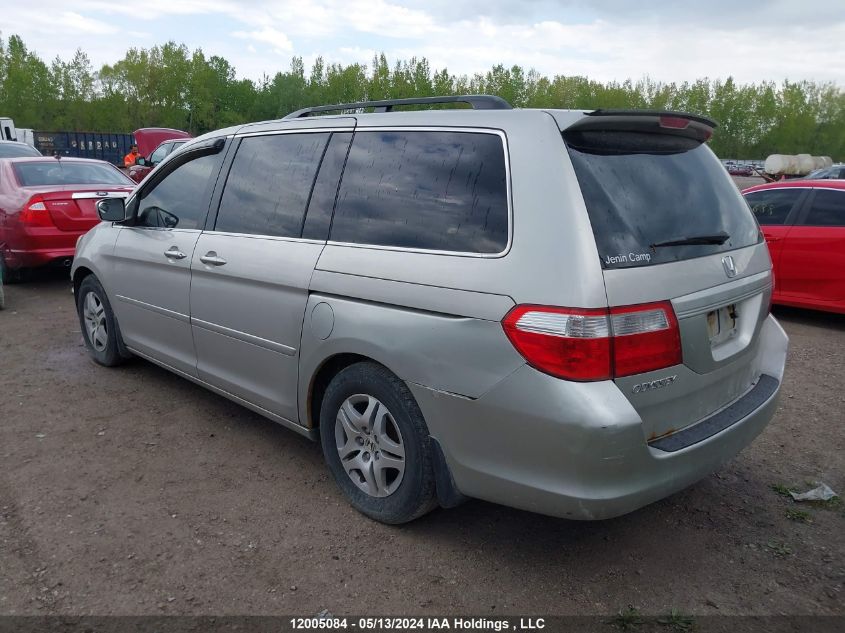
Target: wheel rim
{"points": [[370, 445], [94, 313]]}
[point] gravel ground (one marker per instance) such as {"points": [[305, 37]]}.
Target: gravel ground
{"points": [[132, 491]]}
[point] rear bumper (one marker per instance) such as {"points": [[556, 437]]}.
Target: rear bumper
{"points": [[41, 248], [38, 257], [578, 450]]}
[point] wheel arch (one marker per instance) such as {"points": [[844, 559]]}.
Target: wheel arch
{"points": [[326, 371], [79, 275]]}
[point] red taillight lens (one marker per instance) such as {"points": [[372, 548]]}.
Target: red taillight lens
{"points": [[599, 344], [35, 213], [567, 343], [645, 338]]}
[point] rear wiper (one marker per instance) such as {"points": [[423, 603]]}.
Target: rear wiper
{"points": [[716, 238]]}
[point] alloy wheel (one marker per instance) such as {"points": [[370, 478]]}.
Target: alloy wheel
{"points": [[370, 445]]}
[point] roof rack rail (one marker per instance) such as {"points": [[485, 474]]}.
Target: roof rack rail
{"points": [[478, 102]]}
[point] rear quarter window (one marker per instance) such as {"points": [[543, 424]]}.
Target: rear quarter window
{"points": [[643, 190], [431, 190], [827, 208]]}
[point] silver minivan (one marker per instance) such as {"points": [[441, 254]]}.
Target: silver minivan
{"points": [[556, 310]]}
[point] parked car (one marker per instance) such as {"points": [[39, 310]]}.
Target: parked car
{"points": [[560, 311], [14, 149], [47, 203], [154, 145], [832, 172], [740, 170], [804, 225]]}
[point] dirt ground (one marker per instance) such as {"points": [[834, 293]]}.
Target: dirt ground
{"points": [[132, 491]]}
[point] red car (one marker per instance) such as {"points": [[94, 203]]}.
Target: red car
{"points": [[804, 225], [740, 170], [47, 203], [154, 144]]}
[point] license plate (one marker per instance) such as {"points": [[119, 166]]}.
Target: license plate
{"points": [[721, 323]]}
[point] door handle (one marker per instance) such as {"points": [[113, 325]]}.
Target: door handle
{"points": [[174, 253], [212, 259], [769, 238]]}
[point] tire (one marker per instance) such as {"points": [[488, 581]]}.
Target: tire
{"points": [[99, 326], [379, 428], [12, 275]]}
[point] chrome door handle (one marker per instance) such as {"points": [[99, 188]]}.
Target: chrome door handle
{"points": [[174, 253], [212, 259]]}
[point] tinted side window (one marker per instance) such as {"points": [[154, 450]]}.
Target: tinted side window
{"points": [[444, 191], [269, 184], [828, 209], [320, 208], [772, 206], [179, 201]]}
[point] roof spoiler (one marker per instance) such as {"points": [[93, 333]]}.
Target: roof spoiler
{"points": [[690, 126]]}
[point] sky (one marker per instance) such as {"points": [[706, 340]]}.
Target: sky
{"points": [[667, 40]]}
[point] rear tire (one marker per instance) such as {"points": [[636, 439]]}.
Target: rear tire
{"points": [[12, 275], [98, 323], [376, 444]]}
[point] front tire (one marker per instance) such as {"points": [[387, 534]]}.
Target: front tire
{"points": [[376, 444], [99, 326]]}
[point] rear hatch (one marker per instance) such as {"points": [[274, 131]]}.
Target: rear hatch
{"points": [[74, 208], [670, 225]]}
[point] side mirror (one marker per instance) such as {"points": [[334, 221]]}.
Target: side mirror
{"points": [[112, 209], [141, 161]]}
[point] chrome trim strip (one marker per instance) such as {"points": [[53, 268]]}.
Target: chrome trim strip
{"points": [[744, 288], [243, 336], [153, 308], [84, 195], [309, 433]]}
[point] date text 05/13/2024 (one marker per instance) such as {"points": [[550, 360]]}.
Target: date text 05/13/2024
{"points": [[418, 624]]}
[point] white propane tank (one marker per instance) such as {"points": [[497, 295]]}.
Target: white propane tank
{"points": [[805, 163], [794, 165]]}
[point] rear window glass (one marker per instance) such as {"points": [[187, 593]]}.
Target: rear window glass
{"points": [[62, 172], [772, 206], [17, 150], [643, 191], [443, 191]]}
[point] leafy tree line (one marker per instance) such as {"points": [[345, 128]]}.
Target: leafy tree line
{"points": [[171, 86]]}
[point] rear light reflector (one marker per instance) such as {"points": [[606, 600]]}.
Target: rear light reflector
{"points": [[35, 213], [598, 344]]}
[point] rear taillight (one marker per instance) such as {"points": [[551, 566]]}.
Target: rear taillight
{"points": [[599, 344], [35, 213]]}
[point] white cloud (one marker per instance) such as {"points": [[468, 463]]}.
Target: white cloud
{"points": [[267, 35], [602, 39]]}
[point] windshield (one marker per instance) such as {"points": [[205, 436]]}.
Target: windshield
{"points": [[17, 150], [62, 172], [657, 198]]}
